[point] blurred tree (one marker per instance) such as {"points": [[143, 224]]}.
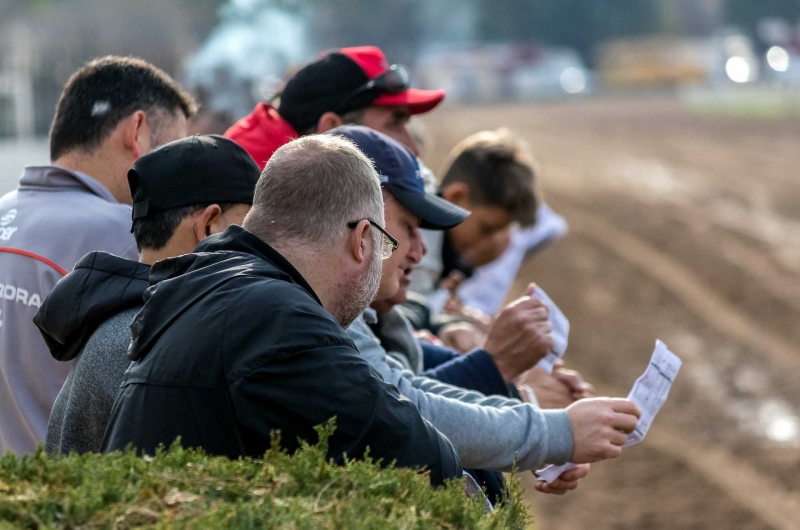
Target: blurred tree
{"points": [[390, 24], [576, 23]]}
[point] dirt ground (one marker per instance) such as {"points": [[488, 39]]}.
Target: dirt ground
{"points": [[684, 228]]}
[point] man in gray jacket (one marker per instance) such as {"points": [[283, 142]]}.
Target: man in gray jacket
{"points": [[192, 188], [494, 432], [112, 111]]}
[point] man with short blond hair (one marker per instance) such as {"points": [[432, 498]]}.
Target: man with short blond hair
{"points": [[245, 338]]}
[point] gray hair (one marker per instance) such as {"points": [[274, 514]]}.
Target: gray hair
{"points": [[311, 188]]}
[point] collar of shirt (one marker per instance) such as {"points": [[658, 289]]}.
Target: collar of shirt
{"points": [[53, 176], [370, 316]]}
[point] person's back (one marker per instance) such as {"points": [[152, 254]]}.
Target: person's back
{"points": [[81, 410], [53, 231], [86, 319], [87, 316], [111, 111], [239, 340]]}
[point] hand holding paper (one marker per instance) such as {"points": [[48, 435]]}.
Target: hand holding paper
{"points": [[649, 393]]}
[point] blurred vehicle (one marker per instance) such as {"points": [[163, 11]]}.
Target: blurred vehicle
{"points": [[479, 73], [658, 61]]}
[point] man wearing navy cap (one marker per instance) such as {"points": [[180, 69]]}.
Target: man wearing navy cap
{"points": [[493, 432], [182, 192]]}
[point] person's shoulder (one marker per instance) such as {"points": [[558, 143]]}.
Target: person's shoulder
{"points": [[265, 286], [287, 315], [106, 349]]}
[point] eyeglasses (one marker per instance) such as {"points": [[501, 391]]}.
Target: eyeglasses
{"points": [[393, 81], [388, 242]]}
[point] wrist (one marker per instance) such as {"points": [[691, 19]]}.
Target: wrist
{"points": [[507, 372], [527, 394]]}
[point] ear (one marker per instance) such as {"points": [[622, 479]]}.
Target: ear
{"points": [[458, 193], [207, 222], [328, 121], [136, 133], [360, 242]]}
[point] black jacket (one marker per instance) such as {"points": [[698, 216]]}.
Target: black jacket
{"points": [[86, 318], [100, 286], [232, 343]]}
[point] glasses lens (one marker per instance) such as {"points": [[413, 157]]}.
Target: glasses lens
{"points": [[387, 248], [394, 80]]}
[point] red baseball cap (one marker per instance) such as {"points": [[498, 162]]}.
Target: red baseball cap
{"points": [[373, 62], [332, 83]]}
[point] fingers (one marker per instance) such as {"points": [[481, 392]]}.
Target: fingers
{"points": [[587, 390], [531, 288], [568, 481], [570, 378], [618, 438], [624, 422], [575, 473], [612, 450], [625, 406], [554, 488]]}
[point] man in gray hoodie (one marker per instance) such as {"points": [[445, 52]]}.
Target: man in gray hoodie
{"points": [[182, 192], [489, 432], [112, 111]]}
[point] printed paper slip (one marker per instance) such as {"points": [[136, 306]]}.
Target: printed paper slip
{"points": [[560, 332], [649, 392]]}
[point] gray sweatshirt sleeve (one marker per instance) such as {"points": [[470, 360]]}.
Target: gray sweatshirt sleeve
{"points": [[488, 432]]}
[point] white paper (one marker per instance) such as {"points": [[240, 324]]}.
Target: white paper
{"points": [[560, 332], [649, 393]]}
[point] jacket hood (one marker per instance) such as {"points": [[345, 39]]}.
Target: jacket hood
{"points": [[178, 283], [261, 133], [100, 286]]}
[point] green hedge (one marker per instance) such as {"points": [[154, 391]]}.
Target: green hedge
{"points": [[180, 488]]}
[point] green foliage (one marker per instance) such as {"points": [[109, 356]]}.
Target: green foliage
{"points": [[180, 488]]}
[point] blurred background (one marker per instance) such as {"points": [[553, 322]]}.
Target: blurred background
{"points": [[668, 134]]}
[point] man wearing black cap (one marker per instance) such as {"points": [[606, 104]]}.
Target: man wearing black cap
{"points": [[348, 85], [182, 192], [244, 337]]}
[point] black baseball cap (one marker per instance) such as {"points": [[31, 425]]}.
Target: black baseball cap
{"points": [[400, 176], [331, 83], [199, 169]]}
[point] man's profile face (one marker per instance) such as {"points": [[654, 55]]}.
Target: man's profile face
{"points": [[483, 236], [404, 226], [393, 122]]}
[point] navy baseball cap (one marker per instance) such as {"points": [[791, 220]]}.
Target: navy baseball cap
{"points": [[400, 176]]}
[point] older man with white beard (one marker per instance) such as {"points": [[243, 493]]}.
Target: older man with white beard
{"points": [[495, 432], [245, 337]]}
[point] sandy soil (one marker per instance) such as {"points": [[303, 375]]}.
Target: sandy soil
{"points": [[684, 228]]}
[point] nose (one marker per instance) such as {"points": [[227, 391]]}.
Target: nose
{"points": [[407, 139], [418, 248]]}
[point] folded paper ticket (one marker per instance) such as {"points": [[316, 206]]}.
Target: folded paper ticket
{"points": [[649, 393], [560, 331]]}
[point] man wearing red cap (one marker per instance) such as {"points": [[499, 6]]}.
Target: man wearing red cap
{"points": [[349, 85]]}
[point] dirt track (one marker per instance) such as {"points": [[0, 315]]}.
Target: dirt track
{"points": [[684, 228]]}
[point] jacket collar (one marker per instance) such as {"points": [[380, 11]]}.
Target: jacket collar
{"points": [[60, 177], [237, 239]]}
